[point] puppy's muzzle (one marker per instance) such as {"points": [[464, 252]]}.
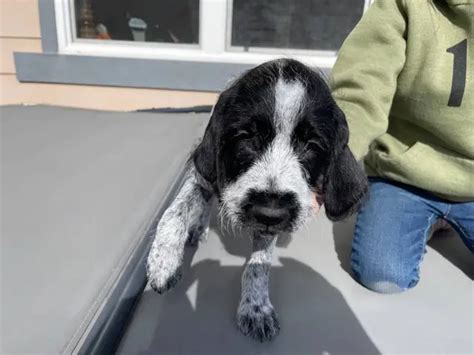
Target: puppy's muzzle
{"points": [[271, 209]]}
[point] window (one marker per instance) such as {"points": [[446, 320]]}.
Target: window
{"points": [[287, 24], [162, 21], [230, 31]]}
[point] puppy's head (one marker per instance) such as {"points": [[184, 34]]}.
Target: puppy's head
{"points": [[277, 142]]}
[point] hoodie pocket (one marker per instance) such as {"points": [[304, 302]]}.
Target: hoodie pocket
{"points": [[430, 167], [384, 154]]}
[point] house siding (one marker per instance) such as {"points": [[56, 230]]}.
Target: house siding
{"points": [[20, 32]]}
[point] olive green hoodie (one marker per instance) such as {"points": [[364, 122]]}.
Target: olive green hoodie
{"points": [[405, 80]]}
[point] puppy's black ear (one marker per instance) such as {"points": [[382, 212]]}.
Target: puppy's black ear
{"points": [[345, 187], [345, 183], [205, 155]]}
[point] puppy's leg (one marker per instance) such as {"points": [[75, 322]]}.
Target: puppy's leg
{"points": [[184, 216], [255, 315], [199, 216]]}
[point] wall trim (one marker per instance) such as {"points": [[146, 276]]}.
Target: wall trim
{"points": [[49, 37], [125, 72]]}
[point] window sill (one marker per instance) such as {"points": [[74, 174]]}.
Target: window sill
{"points": [[127, 72]]}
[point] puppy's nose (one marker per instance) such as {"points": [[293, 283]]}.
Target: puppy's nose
{"points": [[270, 216], [271, 209]]}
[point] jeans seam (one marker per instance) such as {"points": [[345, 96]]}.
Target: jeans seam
{"points": [[447, 211], [354, 258], [421, 254]]}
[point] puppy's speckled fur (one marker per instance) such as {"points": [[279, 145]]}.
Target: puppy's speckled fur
{"points": [[185, 221], [275, 140], [255, 315]]}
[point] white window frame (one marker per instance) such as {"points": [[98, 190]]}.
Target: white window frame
{"points": [[214, 41]]}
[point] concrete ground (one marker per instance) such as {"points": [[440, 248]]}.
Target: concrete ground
{"points": [[322, 309], [78, 188]]}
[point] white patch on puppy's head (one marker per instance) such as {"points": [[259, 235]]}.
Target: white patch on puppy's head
{"points": [[277, 173], [275, 145]]}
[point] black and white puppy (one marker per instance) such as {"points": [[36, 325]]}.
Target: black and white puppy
{"points": [[275, 146]]}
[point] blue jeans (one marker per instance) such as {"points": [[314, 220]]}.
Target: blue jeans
{"points": [[392, 230]]}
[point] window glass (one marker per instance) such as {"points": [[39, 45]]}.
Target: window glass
{"points": [[164, 21], [296, 24]]}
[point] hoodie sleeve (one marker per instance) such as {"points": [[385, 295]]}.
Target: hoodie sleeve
{"points": [[364, 78]]}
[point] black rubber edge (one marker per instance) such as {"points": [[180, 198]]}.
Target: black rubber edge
{"points": [[106, 333], [192, 109]]}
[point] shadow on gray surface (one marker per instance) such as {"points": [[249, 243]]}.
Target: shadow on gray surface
{"points": [[314, 316], [342, 234], [450, 245], [447, 243]]}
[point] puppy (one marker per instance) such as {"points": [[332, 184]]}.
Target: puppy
{"points": [[275, 149]]}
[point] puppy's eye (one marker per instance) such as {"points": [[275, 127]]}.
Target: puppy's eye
{"points": [[313, 144], [242, 134]]}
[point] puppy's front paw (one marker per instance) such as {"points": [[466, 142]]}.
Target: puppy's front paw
{"points": [[163, 270], [259, 322], [161, 283]]}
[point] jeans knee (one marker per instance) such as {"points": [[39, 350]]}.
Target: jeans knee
{"points": [[383, 279], [387, 287]]}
